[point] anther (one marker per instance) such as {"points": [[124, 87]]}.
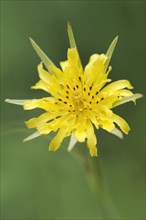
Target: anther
{"points": [[59, 99]]}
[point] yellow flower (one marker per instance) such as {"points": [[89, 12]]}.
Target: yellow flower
{"points": [[79, 99]]}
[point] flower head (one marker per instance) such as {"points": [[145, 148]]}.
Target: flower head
{"points": [[78, 100]]}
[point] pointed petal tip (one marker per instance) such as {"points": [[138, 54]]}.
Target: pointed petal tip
{"points": [[30, 38], [7, 100], [72, 142], [117, 133], [32, 41], [51, 149], [139, 95], [32, 136], [24, 140], [116, 38], [68, 24], [15, 101], [94, 155]]}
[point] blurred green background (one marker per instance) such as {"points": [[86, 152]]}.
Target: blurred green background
{"points": [[37, 184]]}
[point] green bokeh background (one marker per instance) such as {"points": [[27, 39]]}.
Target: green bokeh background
{"points": [[37, 184]]}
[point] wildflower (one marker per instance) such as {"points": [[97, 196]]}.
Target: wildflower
{"points": [[79, 99]]}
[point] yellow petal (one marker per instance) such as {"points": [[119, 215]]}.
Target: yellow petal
{"points": [[58, 73], [121, 123], [41, 85], [104, 113], [95, 65], [57, 140], [120, 84], [91, 139], [80, 134], [64, 65], [107, 125], [125, 92], [44, 75], [37, 122], [43, 103]]}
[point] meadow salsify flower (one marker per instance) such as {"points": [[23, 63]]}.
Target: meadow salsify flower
{"points": [[78, 99]]}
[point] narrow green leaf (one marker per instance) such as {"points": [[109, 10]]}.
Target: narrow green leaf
{"points": [[47, 62], [110, 51]]}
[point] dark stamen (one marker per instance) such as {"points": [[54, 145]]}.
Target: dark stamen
{"points": [[65, 102], [96, 93], [79, 78], [93, 97], [67, 97], [88, 93], [59, 99]]}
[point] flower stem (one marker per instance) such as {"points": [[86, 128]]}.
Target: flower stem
{"points": [[95, 178]]}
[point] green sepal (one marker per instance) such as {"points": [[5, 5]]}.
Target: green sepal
{"points": [[47, 62], [110, 51]]}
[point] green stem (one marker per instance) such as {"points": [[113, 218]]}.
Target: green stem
{"points": [[94, 175]]}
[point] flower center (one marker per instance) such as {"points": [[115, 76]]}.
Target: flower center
{"points": [[78, 101]]}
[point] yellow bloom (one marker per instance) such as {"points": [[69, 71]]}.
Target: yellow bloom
{"points": [[79, 99]]}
